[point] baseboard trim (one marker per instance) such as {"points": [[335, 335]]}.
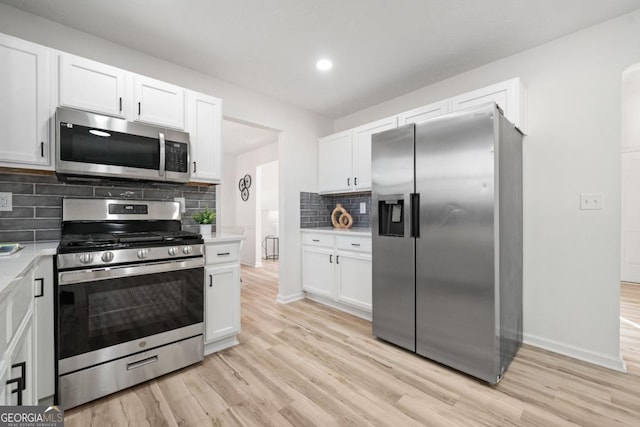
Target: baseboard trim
{"points": [[340, 306], [282, 299], [617, 364], [220, 344]]}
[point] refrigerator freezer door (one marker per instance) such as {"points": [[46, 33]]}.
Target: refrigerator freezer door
{"points": [[455, 291], [393, 311]]}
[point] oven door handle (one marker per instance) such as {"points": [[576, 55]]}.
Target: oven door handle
{"points": [[79, 276]]}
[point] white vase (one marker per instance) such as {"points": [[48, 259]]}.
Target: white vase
{"points": [[205, 230]]}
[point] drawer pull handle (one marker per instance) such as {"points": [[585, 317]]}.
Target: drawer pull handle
{"points": [[355, 244], [211, 281], [139, 363], [330, 259], [139, 109], [18, 389], [41, 282], [315, 240], [120, 105], [337, 259], [42, 149], [224, 253]]}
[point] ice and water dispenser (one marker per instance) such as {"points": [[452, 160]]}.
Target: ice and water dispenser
{"points": [[391, 216]]}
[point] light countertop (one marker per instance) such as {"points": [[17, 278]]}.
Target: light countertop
{"points": [[221, 238], [17, 265], [356, 231]]}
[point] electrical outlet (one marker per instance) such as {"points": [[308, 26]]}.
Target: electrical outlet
{"points": [[6, 202], [363, 207], [591, 201]]}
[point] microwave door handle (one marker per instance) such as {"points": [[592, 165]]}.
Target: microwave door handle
{"points": [[162, 154]]}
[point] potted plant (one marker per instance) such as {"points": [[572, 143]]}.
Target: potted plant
{"points": [[205, 218]]}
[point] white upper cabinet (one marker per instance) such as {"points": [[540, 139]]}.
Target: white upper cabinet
{"points": [[510, 96], [344, 159], [158, 102], [92, 86], [25, 104], [362, 151], [335, 163], [203, 124], [421, 114]]}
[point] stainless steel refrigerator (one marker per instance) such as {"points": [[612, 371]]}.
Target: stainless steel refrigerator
{"points": [[447, 239]]}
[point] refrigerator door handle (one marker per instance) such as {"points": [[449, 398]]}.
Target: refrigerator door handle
{"points": [[415, 214]]}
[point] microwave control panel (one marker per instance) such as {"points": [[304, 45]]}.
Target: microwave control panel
{"points": [[176, 155]]}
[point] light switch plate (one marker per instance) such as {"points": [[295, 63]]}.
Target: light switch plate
{"points": [[6, 201], [363, 207], [591, 201]]}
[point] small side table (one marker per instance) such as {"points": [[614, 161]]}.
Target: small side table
{"points": [[275, 247]]}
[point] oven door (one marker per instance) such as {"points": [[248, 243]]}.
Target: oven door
{"points": [[107, 313]]}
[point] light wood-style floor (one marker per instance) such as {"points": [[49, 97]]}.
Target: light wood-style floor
{"points": [[304, 364]]}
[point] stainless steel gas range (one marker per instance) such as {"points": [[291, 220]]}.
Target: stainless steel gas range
{"points": [[130, 296]]}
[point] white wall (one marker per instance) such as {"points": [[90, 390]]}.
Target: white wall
{"points": [[571, 257], [297, 143], [247, 211], [268, 210]]}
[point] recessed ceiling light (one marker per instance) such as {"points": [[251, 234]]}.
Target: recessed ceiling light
{"points": [[324, 65]]}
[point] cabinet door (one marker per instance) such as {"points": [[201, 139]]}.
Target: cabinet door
{"points": [[354, 280], [21, 360], [222, 305], [158, 102], [509, 95], [335, 163], [422, 114], [24, 106], [43, 321], [317, 271], [92, 86], [204, 115], [362, 151]]}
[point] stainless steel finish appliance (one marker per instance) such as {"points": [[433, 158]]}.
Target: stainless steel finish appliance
{"points": [[447, 240], [130, 296], [93, 145]]}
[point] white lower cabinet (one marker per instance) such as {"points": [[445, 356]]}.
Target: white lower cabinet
{"points": [[353, 274], [20, 384], [336, 270], [43, 327], [222, 295], [222, 302], [318, 271]]}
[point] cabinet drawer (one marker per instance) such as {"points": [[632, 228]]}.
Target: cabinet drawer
{"points": [[353, 243], [222, 253], [20, 301], [317, 239]]}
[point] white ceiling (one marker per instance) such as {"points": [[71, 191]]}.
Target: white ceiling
{"points": [[381, 48], [238, 138]]}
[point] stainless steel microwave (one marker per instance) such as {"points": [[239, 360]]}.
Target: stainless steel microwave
{"points": [[93, 145]]}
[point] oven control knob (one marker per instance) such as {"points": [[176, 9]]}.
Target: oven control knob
{"points": [[86, 258], [187, 250], [142, 253], [173, 251], [107, 257]]}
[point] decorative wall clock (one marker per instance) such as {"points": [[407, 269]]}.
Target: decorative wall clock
{"points": [[243, 186]]}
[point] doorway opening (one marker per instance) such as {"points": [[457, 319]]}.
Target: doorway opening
{"points": [[630, 221], [250, 162]]}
